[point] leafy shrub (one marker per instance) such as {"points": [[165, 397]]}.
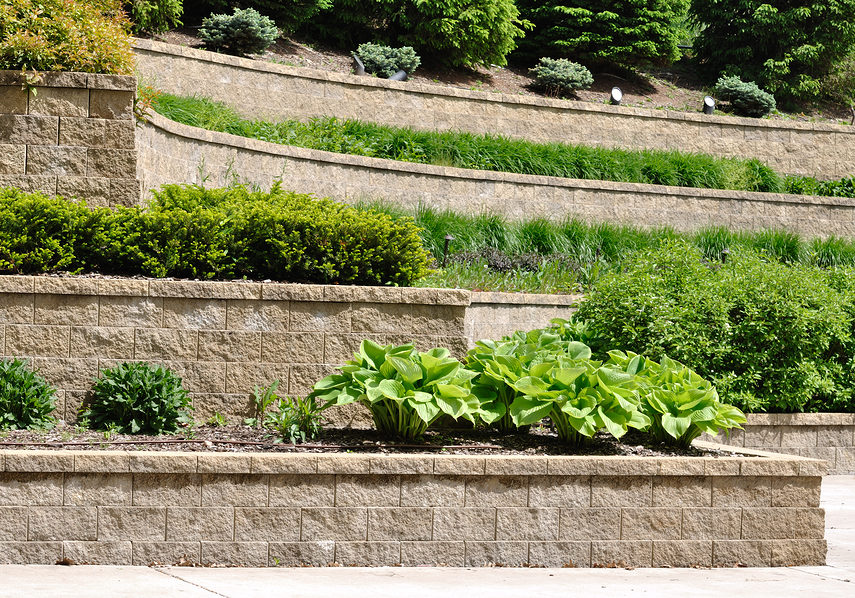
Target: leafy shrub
{"points": [[770, 336], [154, 16], [745, 97], [138, 398], [26, 399], [288, 15], [804, 185], [384, 61], [560, 76], [295, 419], [405, 390], [65, 35], [601, 31], [242, 32]]}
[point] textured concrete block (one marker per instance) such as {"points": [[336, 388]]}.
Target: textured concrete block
{"points": [[589, 524], [132, 523], [41, 461], [516, 465], [13, 158], [155, 489], [368, 490], [234, 490], [13, 99], [67, 374], [560, 554], [56, 160], [96, 191], [267, 524], [299, 554], [95, 132], [682, 554], [127, 311], [712, 524], [308, 316], [13, 524], [559, 491], [480, 554], [433, 554], [497, 492], [236, 554], [301, 490], [166, 553], [295, 464], [244, 377], [464, 524], [16, 308], [746, 553], [399, 523], [622, 553], [200, 376], [616, 491], [162, 462], [37, 341], [682, 492], [258, 315], [459, 465], [59, 101], [98, 553], [302, 379], [194, 313], [741, 492], [224, 463], [799, 553], [29, 129], [229, 345], [433, 491], [323, 523], [796, 492], [39, 489], [343, 464], [397, 318], [111, 163], [111, 104], [292, 347], [650, 524], [84, 489], [184, 524], [30, 553], [783, 523], [401, 464], [527, 524], [368, 554], [102, 341], [158, 343]]}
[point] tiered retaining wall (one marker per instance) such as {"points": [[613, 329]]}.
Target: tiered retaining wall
{"points": [[224, 338], [175, 153], [268, 510], [261, 89], [70, 134]]}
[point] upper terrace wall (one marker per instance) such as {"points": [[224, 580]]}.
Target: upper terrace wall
{"points": [[274, 91]]}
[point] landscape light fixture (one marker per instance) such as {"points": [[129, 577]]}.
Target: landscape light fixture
{"points": [[399, 76], [448, 239], [616, 97], [358, 67], [709, 105]]}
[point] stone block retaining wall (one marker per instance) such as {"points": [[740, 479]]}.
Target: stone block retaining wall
{"points": [[175, 153], [268, 510], [69, 134], [224, 338], [828, 436], [261, 89]]}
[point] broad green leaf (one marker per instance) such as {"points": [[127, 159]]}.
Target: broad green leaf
{"points": [[410, 372], [675, 426], [526, 411], [373, 353]]}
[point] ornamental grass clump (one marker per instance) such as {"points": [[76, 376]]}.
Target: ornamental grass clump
{"points": [[26, 399]]}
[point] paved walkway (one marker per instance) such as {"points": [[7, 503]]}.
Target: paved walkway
{"points": [[835, 580]]}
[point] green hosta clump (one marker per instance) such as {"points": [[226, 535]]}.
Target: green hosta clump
{"points": [[581, 397], [26, 399], [679, 403], [405, 390], [502, 363], [138, 398]]}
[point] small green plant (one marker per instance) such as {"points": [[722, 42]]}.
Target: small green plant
{"points": [[263, 398], [138, 398], [405, 390], [217, 420], [746, 98], [295, 419], [384, 61], [26, 399], [242, 32], [559, 76]]}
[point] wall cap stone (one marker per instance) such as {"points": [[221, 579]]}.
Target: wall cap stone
{"points": [[73, 79], [801, 419], [524, 299]]}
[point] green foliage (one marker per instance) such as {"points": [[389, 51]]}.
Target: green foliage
{"points": [[803, 185], [295, 419], [405, 390], [626, 32], [262, 399], [242, 32], [745, 98], [384, 61], [288, 14], [154, 16], [770, 336], [679, 403], [193, 232], [455, 32], [138, 398], [65, 35], [26, 399], [483, 152], [559, 76], [787, 47]]}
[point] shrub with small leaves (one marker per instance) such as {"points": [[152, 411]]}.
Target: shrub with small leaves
{"points": [[138, 398], [26, 399], [154, 16], [384, 61], [559, 76], [746, 98], [242, 32]]}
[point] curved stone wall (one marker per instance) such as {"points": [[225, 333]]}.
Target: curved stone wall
{"points": [[274, 91], [174, 153]]}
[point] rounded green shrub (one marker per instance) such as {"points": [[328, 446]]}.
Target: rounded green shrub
{"points": [[243, 32], [26, 399], [287, 15], [559, 76], [138, 398], [384, 61], [745, 97], [154, 16]]}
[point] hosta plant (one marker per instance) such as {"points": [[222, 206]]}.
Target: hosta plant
{"points": [[580, 396], [405, 390], [681, 405], [26, 399]]}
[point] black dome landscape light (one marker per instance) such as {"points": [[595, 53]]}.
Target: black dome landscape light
{"points": [[616, 96], [709, 105]]}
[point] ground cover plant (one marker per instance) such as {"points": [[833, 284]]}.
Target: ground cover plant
{"points": [[26, 399], [485, 152]]}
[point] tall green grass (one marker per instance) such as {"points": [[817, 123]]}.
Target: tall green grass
{"points": [[484, 152]]}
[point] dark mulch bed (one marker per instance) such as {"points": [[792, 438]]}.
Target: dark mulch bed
{"points": [[239, 439]]}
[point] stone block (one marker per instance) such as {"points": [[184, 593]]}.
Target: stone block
{"points": [[491, 491], [682, 491], [682, 553], [781, 523], [267, 524], [95, 132], [516, 465], [13, 524], [124, 192], [48, 285], [796, 492], [59, 101], [83, 489], [292, 347], [766, 466], [367, 491], [200, 523], [621, 553], [401, 464], [397, 318], [96, 191], [98, 553], [102, 341], [56, 160], [13, 158], [619, 491], [589, 524], [22, 129], [844, 457], [799, 553], [67, 374], [292, 464], [722, 466], [110, 163], [132, 523], [741, 491], [464, 524], [200, 376], [481, 554], [258, 315], [234, 490], [30, 553], [159, 343], [229, 345], [309, 316], [650, 524], [745, 553], [16, 308], [343, 464], [17, 284], [303, 378], [302, 490], [368, 554], [162, 462], [156, 489], [114, 82], [32, 489], [559, 491], [459, 465], [433, 554], [235, 554], [339, 348], [13, 99], [166, 553], [209, 314], [433, 491], [559, 554], [41, 461], [224, 463], [712, 524], [244, 377], [527, 523], [400, 523], [834, 436], [324, 523], [126, 311], [45, 184], [112, 104], [301, 554]]}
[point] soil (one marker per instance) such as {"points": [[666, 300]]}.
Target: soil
{"points": [[243, 439], [673, 88]]}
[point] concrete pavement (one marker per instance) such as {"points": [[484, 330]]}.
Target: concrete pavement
{"points": [[837, 579]]}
